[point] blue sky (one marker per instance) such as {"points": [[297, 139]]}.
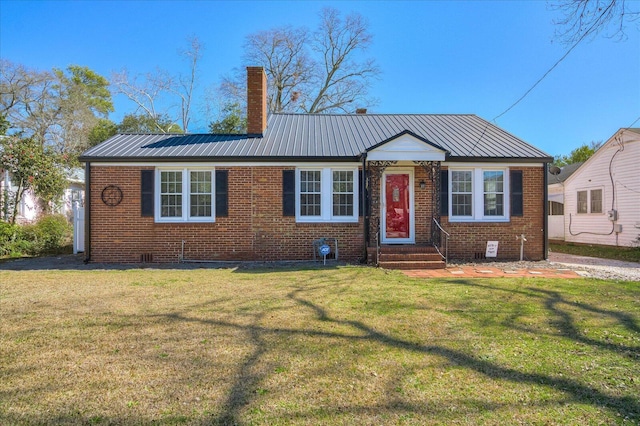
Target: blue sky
{"points": [[436, 57]]}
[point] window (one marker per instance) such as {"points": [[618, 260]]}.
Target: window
{"points": [[185, 195], [171, 194], [200, 202], [556, 208], [493, 193], [461, 193], [596, 200], [310, 193], [326, 195], [478, 195], [343, 193], [590, 201], [582, 201]]}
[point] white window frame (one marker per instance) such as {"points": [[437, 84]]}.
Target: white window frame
{"points": [[354, 192], [186, 196], [473, 201], [326, 196], [323, 202], [477, 203], [495, 192], [589, 191]]}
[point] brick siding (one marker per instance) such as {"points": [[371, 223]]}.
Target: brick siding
{"points": [[467, 239], [254, 229]]}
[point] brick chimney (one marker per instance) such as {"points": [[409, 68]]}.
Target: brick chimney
{"points": [[256, 101], [361, 110]]}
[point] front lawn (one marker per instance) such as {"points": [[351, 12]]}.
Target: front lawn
{"points": [[346, 345], [629, 254]]}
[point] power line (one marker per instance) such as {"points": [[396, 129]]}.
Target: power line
{"points": [[634, 122], [586, 33]]}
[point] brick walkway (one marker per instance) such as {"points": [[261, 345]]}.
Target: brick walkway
{"points": [[486, 271]]}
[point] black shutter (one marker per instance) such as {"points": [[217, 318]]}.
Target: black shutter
{"points": [[362, 180], [288, 193], [517, 205], [444, 193], [222, 193], [146, 192]]}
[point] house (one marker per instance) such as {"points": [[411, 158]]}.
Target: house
{"points": [[555, 197], [373, 184], [602, 196], [30, 206]]}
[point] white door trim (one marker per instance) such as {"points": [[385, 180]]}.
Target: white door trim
{"points": [[383, 207]]}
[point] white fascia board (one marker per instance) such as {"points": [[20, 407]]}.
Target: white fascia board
{"points": [[233, 164], [479, 164]]}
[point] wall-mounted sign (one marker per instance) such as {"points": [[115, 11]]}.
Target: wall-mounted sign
{"points": [[492, 249]]}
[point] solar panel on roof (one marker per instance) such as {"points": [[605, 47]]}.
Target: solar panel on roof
{"points": [[316, 136]]}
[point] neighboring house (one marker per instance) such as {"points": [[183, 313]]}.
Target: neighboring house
{"points": [[378, 183], [602, 197], [30, 207], [555, 196]]}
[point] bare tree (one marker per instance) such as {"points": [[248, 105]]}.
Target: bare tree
{"points": [[159, 94], [57, 108], [185, 84], [343, 81], [311, 72], [284, 55], [582, 18], [27, 98], [145, 91]]}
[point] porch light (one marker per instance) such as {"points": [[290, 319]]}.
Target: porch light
{"points": [[423, 184]]}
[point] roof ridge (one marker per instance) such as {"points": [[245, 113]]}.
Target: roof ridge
{"points": [[321, 114]]}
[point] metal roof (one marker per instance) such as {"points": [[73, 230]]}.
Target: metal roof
{"points": [[324, 137]]}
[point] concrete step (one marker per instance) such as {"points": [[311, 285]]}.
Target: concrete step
{"points": [[394, 257], [408, 264], [407, 249]]}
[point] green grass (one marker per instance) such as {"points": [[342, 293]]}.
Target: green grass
{"points": [[348, 345], [606, 252]]}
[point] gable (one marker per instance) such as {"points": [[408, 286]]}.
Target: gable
{"points": [[614, 153], [406, 146]]}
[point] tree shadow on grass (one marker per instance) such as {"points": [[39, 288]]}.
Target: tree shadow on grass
{"points": [[625, 406], [562, 321], [66, 262], [249, 375]]}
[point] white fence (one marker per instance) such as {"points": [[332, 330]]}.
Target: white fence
{"points": [[78, 229], [556, 227]]}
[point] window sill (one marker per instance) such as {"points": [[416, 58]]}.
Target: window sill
{"points": [[483, 220], [191, 221], [346, 220]]}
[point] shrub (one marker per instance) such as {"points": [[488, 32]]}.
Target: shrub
{"points": [[51, 234], [8, 235]]}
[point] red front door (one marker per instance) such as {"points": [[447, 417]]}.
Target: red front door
{"points": [[397, 206]]}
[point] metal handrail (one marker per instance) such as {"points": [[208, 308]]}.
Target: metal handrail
{"points": [[445, 256], [377, 248]]}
